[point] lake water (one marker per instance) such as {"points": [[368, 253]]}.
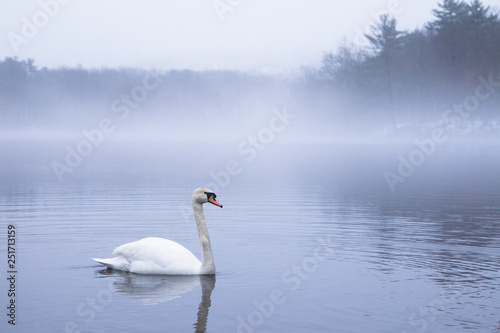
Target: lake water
{"points": [[311, 239]]}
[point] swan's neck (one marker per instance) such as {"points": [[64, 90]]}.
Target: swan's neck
{"points": [[207, 262]]}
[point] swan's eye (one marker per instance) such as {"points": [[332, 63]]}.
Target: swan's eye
{"points": [[211, 198]]}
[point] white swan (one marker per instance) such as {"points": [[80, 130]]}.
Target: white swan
{"points": [[154, 255]]}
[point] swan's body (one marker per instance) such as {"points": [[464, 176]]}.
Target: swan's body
{"points": [[154, 255]]}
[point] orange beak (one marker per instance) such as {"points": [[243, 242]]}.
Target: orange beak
{"points": [[213, 201]]}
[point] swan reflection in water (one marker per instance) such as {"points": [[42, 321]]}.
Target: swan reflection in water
{"points": [[154, 289]]}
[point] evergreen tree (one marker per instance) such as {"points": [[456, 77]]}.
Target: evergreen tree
{"points": [[386, 42], [449, 29]]}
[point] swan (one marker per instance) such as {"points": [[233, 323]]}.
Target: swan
{"points": [[155, 255]]}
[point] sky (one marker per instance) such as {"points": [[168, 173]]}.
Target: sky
{"points": [[256, 35]]}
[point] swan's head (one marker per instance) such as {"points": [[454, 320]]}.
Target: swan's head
{"points": [[203, 195]]}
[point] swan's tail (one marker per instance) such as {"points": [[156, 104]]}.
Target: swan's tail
{"points": [[118, 263], [106, 262]]}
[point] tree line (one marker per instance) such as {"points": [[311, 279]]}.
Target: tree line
{"points": [[71, 98], [403, 77], [414, 77]]}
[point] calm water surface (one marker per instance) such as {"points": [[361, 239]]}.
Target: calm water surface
{"points": [[312, 240]]}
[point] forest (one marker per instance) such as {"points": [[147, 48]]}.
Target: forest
{"points": [[443, 74]]}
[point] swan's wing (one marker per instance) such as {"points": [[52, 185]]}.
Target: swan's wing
{"points": [[158, 256]]}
